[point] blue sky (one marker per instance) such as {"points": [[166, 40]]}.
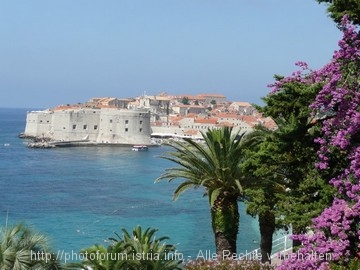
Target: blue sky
{"points": [[68, 51]]}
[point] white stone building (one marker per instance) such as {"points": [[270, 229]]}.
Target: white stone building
{"points": [[97, 126]]}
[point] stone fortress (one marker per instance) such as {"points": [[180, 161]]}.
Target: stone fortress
{"points": [[136, 120], [90, 126]]}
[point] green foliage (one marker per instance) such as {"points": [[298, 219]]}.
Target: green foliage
{"points": [[185, 101], [145, 251], [354, 264], [139, 250], [228, 265], [215, 166], [266, 181], [287, 156], [338, 8], [261, 166], [97, 258], [304, 201], [21, 248]]}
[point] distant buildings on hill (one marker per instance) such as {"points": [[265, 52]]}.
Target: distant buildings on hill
{"points": [[134, 120]]}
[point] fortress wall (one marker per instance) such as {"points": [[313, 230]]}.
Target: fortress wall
{"points": [[97, 125], [70, 125], [176, 131], [124, 126], [167, 130], [38, 124]]}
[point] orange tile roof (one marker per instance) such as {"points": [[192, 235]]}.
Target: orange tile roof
{"points": [[269, 123], [225, 124], [191, 132], [175, 118], [212, 120], [66, 107], [250, 120]]}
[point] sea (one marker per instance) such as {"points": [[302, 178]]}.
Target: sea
{"points": [[81, 196]]}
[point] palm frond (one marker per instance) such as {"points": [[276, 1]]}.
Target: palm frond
{"points": [[214, 164], [213, 195]]}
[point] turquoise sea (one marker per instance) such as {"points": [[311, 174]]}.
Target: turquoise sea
{"points": [[80, 196]]}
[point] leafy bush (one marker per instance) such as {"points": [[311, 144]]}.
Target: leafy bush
{"points": [[227, 265], [354, 264], [336, 231]]}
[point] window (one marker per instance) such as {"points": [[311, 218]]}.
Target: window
{"points": [[140, 122], [110, 120], [126, 121], [74, 126], [126, 129], [85, 127], [95, 127], [140, 130]]}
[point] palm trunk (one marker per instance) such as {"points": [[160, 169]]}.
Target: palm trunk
{"points": [[225, 223], [267, 229]]}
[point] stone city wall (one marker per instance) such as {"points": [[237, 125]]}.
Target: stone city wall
{"points": [[115, 126]]}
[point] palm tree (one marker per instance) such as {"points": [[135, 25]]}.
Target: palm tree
{"points": [[21, 248], [213, 165], [145, 251], [96, 257], [139, 250]]}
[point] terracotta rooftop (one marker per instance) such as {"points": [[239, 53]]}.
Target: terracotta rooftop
{"points": [[191, 132], [250, 120], [225, 124], [175, 118], [212, 120], [269, 123], [66, 107]]}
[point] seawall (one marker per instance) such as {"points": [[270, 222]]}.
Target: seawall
{"points": [[95, 126]]}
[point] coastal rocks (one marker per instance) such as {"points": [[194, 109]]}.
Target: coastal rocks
{"points": [[40, 145]]}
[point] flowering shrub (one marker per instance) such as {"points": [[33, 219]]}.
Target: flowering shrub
{"points": [[354, 264], [336, 232], [227, 265]]}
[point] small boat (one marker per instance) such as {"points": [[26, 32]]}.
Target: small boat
{"points": [[140, 148]]}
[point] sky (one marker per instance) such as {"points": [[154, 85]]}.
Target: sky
{"points": [[69, 51]]}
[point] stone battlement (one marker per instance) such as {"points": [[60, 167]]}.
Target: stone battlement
{"points": [[100, 126]]}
